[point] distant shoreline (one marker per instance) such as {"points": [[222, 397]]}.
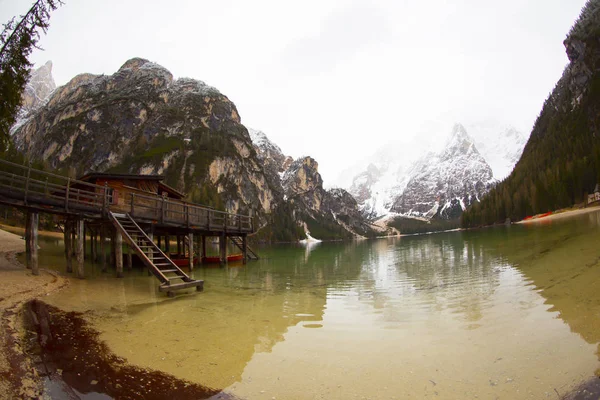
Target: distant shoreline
{"points": [[559, 214]]}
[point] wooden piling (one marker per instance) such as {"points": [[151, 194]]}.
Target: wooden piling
{"points": [[73, 238], [32, 238], [113, 257], [119, 253], [68, 245], [223, 249], [28, 240], [102, 249], [150, 253], [79, 248], [167, 245], [245, 249], [179, 245], [85, 229], [129, 258], [191, 250], [203, 247], [94, 245]]}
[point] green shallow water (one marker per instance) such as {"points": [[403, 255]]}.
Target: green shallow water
{"points": [[509, 312]]}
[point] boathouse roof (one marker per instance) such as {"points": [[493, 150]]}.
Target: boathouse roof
{"points": [[95, 177]]}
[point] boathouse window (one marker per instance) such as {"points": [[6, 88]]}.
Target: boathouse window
{"points": [[113, 197]]}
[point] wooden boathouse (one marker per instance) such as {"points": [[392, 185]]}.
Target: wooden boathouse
{"points": [[139, 210]]}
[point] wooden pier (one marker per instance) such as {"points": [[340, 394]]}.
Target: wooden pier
{"points": [[137, 209]]}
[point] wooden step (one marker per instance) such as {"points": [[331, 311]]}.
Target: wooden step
{"points": [[164, 271], [199, 285]]}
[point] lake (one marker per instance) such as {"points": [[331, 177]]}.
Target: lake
{"points": [[510, 312]]}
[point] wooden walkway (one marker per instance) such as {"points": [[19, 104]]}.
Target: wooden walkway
{"points": [[81, 203]]}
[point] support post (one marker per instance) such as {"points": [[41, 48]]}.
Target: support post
{"points": [[68, 245], [223, 249], [28, 239], [85, 229], [150, 253], [179, 245], [245, 248], [159, 244], [32, 238], [113, 247], [198, 247], [94, 248], [129, 258], [119, 253], [203, 247], [151, 236], [191, 250], [102, 249], [167, 245], [80, 248]]}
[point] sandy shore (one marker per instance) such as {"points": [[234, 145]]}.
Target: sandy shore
{"points": [[18, 378], [560, 214]]}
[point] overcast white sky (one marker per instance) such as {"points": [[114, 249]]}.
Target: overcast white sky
{"points": [[331, 79]]}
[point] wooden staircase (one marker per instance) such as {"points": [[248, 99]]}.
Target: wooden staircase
{"points": [[171, 277], [240, 244]]}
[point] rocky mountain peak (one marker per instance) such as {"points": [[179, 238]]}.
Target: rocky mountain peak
{"points": [[444, 184], [459, 142], [38, 89], [302, 176], [268, 151]]}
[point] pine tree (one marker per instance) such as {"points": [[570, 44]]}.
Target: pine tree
{"points": [[18, 39]]}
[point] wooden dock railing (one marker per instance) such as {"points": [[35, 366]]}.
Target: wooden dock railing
{"points": [[169, 211], [43, 189], [24, 186]]}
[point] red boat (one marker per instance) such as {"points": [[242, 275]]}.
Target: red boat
{"points": [[217, 259], [183, 261]]}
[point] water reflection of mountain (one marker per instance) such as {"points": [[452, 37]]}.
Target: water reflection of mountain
{"points": [[433, 273]]}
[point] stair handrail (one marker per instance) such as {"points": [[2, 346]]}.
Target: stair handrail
{"points": [[186, 277], [161, 276]]}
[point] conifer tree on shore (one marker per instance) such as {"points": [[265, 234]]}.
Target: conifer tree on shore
{"points": [[18, 39]]}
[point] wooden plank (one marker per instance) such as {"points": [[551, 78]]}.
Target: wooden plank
{"points": [[179, 286]]}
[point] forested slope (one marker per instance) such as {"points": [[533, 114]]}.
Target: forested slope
{"points": [[561, 161]]}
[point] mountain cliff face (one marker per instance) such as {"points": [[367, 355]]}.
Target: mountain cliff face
{"points": [[272, 158], [324, 213], [141, 120], [559, 164], [445, 184]]}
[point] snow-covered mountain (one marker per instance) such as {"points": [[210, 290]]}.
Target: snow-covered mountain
{"points": [[445, 183], [392, 175], [501, 145]]}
